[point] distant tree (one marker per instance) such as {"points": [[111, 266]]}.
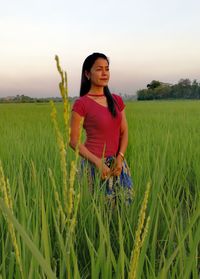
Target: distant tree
{"points": [[184, 89], [195, 89], [145, 94], [141, 94], [162, 92], [153, 84], [184, 82]]}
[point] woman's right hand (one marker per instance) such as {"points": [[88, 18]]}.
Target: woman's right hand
{"points": [[104, 169]]}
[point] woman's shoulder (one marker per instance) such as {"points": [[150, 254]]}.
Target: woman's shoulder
{"points": [[81, 99], [79, 105], [119, 101], [116, 95]]}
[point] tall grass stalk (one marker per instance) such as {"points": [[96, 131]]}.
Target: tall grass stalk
{"points": [[63, 86], [141, 233], [5, 187]]}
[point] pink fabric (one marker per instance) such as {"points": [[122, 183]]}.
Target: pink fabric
{"points": [[101, 127]]}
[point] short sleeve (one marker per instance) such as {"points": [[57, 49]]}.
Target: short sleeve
{"points": [[79, 107], [119, 101]]}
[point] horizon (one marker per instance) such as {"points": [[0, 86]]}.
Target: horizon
{"points": [[76, 96]]}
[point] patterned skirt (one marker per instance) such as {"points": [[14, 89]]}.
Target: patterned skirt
{"points": [[113, 185]]}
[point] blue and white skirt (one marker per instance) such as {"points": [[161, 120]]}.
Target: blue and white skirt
{"points": [[111, 185]]}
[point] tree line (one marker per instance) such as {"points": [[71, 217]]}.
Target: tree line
{"points": [[184, 89], [27, 99]]}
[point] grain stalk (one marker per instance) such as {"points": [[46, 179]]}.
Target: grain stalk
{"points": [[62, 149], [141, 233], [5, 188], [63, 86], [71, 202]]}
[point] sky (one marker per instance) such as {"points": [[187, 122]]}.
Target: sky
{"points": [[144, 40]]}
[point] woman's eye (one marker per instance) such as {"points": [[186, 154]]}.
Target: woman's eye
{"points": [[107, 70]]}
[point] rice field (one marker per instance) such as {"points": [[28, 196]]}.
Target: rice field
{"points": [[52, 227]]}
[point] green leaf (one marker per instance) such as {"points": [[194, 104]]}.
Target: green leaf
{"points": [[34, 250]]}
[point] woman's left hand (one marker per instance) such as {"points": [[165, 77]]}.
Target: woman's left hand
{"points": [[118, 166]]}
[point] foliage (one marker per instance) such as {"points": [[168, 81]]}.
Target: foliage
{"points": [[184, 89], [27, 99]]}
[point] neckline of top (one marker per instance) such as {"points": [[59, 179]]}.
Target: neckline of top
{"points": [[96, 102]]}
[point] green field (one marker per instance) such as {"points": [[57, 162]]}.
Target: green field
{"points": [[94, 240]]}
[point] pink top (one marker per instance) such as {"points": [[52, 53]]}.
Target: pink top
{"points": [[101, 127]]}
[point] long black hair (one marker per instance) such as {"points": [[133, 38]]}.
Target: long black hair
{"points": [[86, 84]]}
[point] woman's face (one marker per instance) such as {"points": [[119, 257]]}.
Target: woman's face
{"points": [[99, 73]]}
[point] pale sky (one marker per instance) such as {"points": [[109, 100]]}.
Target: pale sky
{"points": [[144, 40]]}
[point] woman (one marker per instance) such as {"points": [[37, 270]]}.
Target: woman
{"points": [[106, 127]]}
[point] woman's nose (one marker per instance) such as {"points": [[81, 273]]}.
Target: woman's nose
{"points": [[104, 72]]}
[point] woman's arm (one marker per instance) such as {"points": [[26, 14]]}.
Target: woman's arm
{"points": [[122, 145], [83, 151]]}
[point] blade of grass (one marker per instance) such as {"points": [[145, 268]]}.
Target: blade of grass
{"points": [[34, 250]]}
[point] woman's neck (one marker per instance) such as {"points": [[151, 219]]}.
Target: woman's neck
{"points": [[96, 90]]}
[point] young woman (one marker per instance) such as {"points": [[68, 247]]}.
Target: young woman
{"points": [[106, 127]]}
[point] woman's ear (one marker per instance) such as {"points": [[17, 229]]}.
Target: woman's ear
{"points": [[87, 74]]}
